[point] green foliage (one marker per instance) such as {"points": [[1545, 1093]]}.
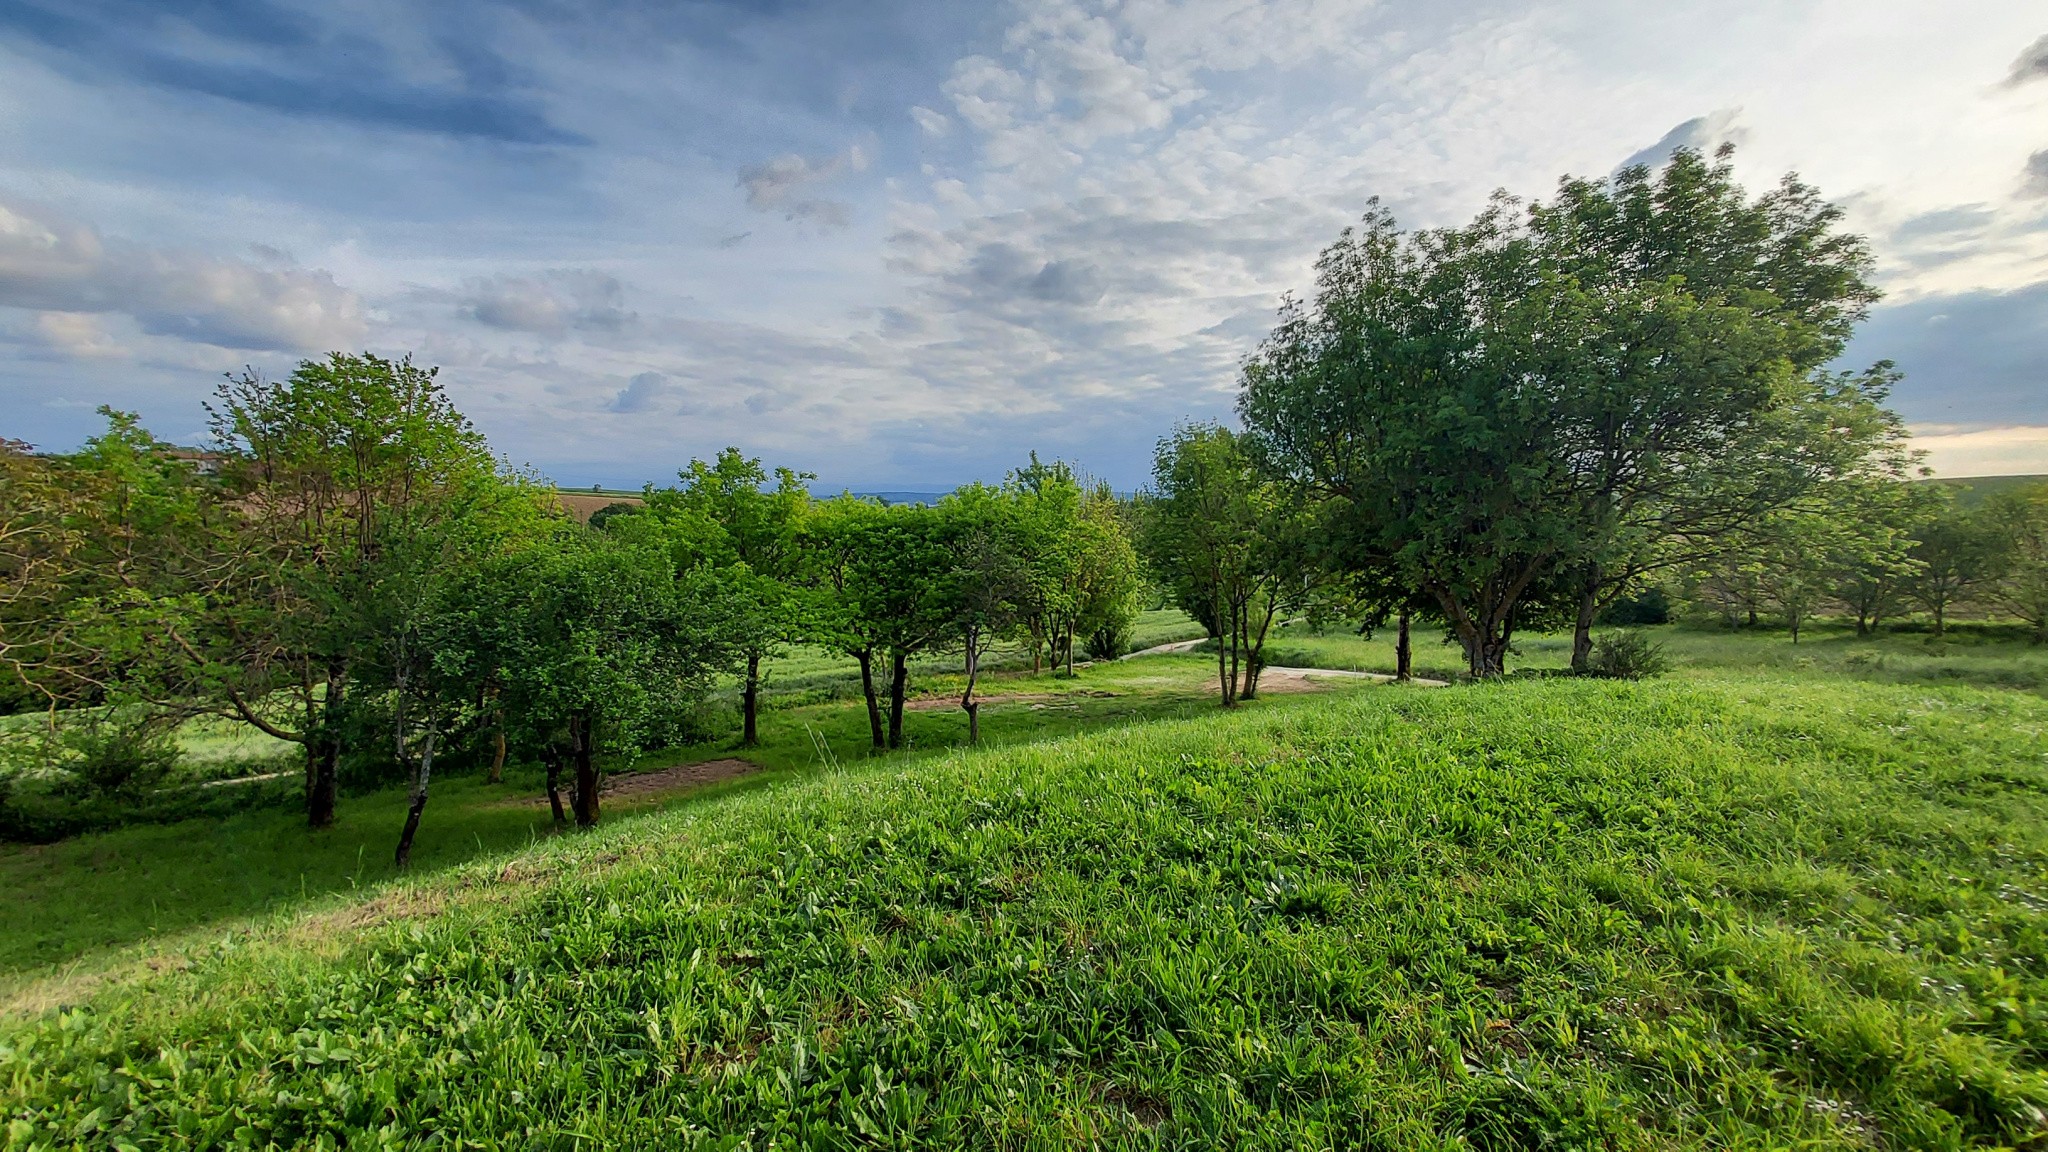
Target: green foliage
{"points": [[1749, 911], [1627, 655], [1545, 405]]}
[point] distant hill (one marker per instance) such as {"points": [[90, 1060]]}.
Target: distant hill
{"points": [[1976, 489]]}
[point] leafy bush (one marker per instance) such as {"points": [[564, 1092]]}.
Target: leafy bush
{"points": [[1628, 656], [116, 755], [1109, 641], [1649, 606]]}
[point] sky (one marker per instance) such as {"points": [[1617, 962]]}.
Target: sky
{"points": [[903, 243]]}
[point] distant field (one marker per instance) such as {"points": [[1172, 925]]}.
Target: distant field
{"points": [[1976, 489]]}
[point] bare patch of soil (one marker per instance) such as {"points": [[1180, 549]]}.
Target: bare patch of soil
{"points": [[669, 779], [944, 703]]}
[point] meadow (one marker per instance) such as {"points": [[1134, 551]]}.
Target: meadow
{"points": [[1754, 903]]}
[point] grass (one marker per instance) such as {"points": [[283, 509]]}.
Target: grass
{"points": [[72, 898], [1733, 908]]}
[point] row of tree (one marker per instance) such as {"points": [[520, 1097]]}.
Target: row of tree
{"points": [[1876, 551], [351, 571]]}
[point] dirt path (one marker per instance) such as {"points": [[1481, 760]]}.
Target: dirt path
{"points": [[942, 703], [633, 785], [1163, 649], [1298, 679]]}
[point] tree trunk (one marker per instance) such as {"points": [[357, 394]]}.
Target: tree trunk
{"points": [[750, 698], [553, 758], [968, 703], [866, 657], [1940, 617], [1224, 679], [899, 675], [1403, 654], [498, 752], [323, 788], [584, 729], [1582, 631], [422, 773]]}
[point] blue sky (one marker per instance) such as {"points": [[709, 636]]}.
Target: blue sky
{"points": [[901, 244]]}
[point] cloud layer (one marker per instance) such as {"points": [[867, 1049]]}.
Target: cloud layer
{"points": [[904, 245]]}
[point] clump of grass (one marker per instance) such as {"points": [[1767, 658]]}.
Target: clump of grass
{"points": [[1735, 911], [1627, 655]]}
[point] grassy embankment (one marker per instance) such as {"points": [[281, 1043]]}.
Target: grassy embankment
{"points": [[74, 898], [1730, 908]]}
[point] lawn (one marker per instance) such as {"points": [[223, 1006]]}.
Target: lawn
{"points": [[1755, 907]]}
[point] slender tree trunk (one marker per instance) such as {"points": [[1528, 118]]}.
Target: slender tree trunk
{"points": [[1226, 680], [423, 771], [498, 751], [585, 730], [866, 657], [968, 703], [1582, 631], [750, 698], [1403, 653], [899, 676], [324, 787], [1940, 617], [553, 758]]}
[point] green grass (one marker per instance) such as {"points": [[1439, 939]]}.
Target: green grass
{"points": [[87, 893], [1726, 909]]}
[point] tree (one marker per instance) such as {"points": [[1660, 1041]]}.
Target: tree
{"points": [[1226, 545], [1955, 550], [883, 573], [987, 583], [317, 468], [2020, 519], [724, 516], [1538, 407], [595, 639], [1704, 310]]}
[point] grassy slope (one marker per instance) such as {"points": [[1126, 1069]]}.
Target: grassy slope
{"points": [[67, 899], [1726, 911]]}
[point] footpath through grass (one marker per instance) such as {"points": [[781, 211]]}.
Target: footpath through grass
{"points": [[1728, 911]]}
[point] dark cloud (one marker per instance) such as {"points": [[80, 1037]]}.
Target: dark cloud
{"points": [[1969, 358], [2034, 179], [1701, 134], [2031, 65], [1946, 223], [779, 186], [54, 264], [285, 59], [550, 303], [1004, 269], [641, 393]]}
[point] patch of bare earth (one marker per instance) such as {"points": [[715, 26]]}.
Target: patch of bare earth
{"points": [[943, 703]]}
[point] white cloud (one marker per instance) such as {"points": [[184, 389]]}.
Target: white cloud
{"points": [[49, 263], [2016, 450], [779, 185], [549, 303], [933, 123]]}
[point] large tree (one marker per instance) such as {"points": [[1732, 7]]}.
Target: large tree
{"points": [[1538, 406]]}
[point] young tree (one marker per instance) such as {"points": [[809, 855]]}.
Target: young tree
{"points": [[725, 516], [2020, 518], [987, 582], [1955, 550], [595, 639], [1227, 545]]}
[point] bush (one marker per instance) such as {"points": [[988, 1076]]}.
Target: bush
{"points": [[1649, 606], [111, 754], [1109, 642], [1627, 656]]}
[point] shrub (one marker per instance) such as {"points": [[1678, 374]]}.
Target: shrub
{"points": [[1109, 642], [1649, 606], [112, 754], [1628, 656]]}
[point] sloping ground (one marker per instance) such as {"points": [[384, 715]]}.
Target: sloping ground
{"points": [[1732, 912]]}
